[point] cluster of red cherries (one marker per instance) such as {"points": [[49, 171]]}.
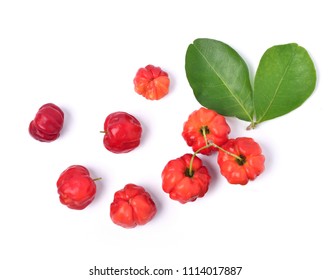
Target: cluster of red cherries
{"points": [[240, 160], [185, 179]]}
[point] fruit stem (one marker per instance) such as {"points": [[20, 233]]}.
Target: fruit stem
{"points": [[240, 159], [97, 179], [191, 172], [208, 145], [252, 125], [205, 131]]}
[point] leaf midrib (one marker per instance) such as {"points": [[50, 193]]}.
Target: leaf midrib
{"points": [[228, 88], [277, 89]]}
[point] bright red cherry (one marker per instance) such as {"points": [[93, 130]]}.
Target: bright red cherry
{"points": [[122, 132]]}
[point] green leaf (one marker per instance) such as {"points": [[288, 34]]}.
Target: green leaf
{"points": [[219, 78], [285, 78]]}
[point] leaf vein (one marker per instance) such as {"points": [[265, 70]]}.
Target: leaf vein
{"points": [[277, 89], [225, 84]]}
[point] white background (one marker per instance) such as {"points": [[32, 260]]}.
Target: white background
{"points": [[82, 56]]}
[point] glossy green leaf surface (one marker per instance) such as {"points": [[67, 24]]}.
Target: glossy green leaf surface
{"points": [[285, 78], [219, 78]]}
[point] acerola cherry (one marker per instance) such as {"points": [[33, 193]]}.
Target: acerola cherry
{"points": [[132, 206], [244, 161], [205, 126], [75, 187], [151, 82], [122, 132], [47, 124], [185, 178]]}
